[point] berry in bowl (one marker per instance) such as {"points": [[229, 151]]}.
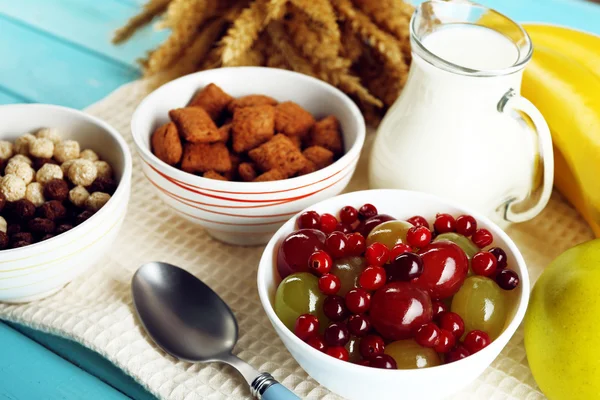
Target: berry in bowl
{"points": [[379, 298]]}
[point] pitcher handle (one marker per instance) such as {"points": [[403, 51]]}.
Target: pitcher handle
{"points": [[512, 101]]}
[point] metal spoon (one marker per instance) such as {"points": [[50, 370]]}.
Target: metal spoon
{"points": [[191, 322]]}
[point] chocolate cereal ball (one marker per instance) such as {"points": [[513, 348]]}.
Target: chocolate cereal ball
{"points": [[35, 193], [105, 185], [20, 169], [53, 210], [62, 228], [50, 134], [84, 216], [22, 237], [47, 173], [67, 150], [78, 196], [18, 244], [23, 210], [6, 149], [22, 144], [13, 187], [56, 189], [3, 240], [40, 162], [83, 172], [13, 228], [41, 226], [41, 147]]}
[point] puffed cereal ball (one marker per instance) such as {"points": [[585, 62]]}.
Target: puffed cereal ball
{"points": [[82, 172], [22, 144], [104, 169], [3, 225], [78, 196], [67, 150], [48, 172], [96, 201], [65, 167], [35, 193], [6, 149], [41, 148], [13, 187], [88, 154], [20, 169], [21, 158], [50, 134]]}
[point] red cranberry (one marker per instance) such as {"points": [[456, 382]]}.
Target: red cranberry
{"points": [[367, 211], [328, 223], [466, 225], [359, 325], [307, 325], [405, 267], [370, 346], [439, 308], [444, 223], [500, 256], [336, 334], [344, 228], [507, 279], [484, 263], [336, 244], [427, 335], [338, 352], [309, 220], [356, 244], [458, 353], [358, 300], [368, 225], [377, 254], [398, 249], [383, 361], [482, 238], [295, 250], [320, 262], [445, 342], [417, 220], [453, 323], [329, 284], [476, 340], [349, 215], [334, 308], [445, 268], [372, 278], [317, 342], [418, 236]]}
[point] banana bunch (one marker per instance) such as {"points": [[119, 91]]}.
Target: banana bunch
{"points": [[563, 81]]}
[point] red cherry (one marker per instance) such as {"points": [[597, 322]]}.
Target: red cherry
{"points": [[500, 256], [329, 284], [398, 249], [417, 220], [358, 300], [336, 334], [309, 220], [458, 353], [372, 278], [453, 323], [320, 262], [439, 308], [484, 263], [444, 223], [356, 244], [427, 335], [445, 342], [344, 228], [364, 363], [383, 361], [334, 308], [405, 267], [377, 254], [365, 227], [445, 268], [359, 325], [307, 325], [367, 211], [482, 238], [476, 340], [398, 309], [507, 279], [336, 244], [338, 352], [349, 215], [370, 346], [295, 250], [328, 223], [418, 236], [466, 225], [317, 342]]}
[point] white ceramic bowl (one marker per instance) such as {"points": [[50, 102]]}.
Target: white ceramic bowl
{"points": [[247, 213], [39, 270], [357, 382]]}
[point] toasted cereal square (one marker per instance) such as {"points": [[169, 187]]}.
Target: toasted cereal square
{"points": [[204, 157], [292, 120], [297, 141], [166, 143], [212, 99], [272, 175], [195, 125], [320, 156], [214, 175], [278, 153], [252, 126], [326, 133], [308, 168], [247, 171], [250, 101], [224, 133], [232, 174]]}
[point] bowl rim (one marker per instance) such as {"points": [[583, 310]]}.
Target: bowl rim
{"points": [[266, 262], [122, 185], [257, 187]]}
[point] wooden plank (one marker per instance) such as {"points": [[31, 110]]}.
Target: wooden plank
{"points": [[89, 24], [9, 97]]}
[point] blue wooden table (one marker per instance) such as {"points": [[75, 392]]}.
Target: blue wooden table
{"points": [[59, 52]]}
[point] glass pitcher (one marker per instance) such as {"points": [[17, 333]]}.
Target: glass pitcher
{"points": [[460, 129]]}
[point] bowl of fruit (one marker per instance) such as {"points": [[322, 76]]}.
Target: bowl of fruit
{"points": [[390, 293]]}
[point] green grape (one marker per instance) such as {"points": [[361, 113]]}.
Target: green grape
{"points": [[482, 305], [299, 294], [463, 242], [389, 233], [410, 355], [352, 347], [348, 270]]}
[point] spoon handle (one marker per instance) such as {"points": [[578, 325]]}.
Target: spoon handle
{"points": [[265, 387]]}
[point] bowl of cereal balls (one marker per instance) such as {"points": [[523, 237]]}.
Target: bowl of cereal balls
{"points": [[64, 187], [240, 150]]}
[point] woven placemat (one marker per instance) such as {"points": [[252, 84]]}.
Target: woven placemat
{"points": [[96, 309]]}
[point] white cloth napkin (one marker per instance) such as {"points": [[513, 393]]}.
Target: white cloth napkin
{"points": [[96, 309]]}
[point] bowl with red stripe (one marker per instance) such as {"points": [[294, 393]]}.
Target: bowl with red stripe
{"points": [[247, 213]]}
